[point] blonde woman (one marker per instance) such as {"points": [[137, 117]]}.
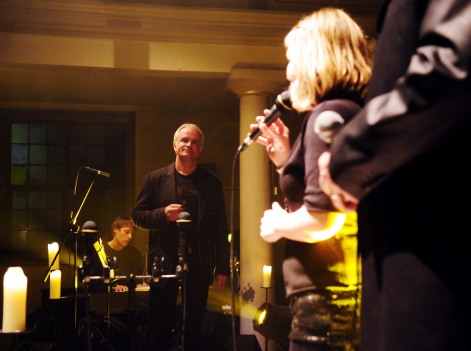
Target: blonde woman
{"points": [[329, 66]]}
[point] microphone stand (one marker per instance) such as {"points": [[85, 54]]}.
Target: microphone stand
{"points": [[183, 224], [73, 228]]}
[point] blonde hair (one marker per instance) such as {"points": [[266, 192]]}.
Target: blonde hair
{"points": [[330, 55]]}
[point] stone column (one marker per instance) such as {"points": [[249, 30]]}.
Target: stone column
{"points": [[257, 90]]}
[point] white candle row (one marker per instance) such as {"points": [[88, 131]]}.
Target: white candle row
{"points": [[15, 290]]}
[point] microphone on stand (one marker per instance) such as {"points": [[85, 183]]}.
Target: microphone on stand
{"points": [[327, 124], [281, 106], [96, 171], [90, 234], [183, 224]]}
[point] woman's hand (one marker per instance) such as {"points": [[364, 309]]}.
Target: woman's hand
{"points": [[275, 139], [268, 223]]}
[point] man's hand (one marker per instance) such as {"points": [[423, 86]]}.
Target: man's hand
{"points": [[221, 281], [120, 288], [172, 211]]}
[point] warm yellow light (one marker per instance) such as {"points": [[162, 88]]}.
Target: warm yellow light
{"points": [[262, 316], [15, 286], [266, 276], [100, 249], [55, 284], [335, 222], [52, 250]]}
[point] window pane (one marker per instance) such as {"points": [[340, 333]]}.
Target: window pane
{"points": [[19, 175], [38, 134], [38, 154], [19, 154], [56, 154], [20, 200], [37, 200], [38, 175], [19, 133]]}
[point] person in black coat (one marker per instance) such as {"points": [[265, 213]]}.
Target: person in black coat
{"points": [[183, 186], [399, 163]]}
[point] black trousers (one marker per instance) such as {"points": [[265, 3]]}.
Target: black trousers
{"points": [[165, 320]]}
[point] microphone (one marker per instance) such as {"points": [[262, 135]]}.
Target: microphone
{"points": [[327, 124], [96, 171], [282, 105], [90, 234], [90, 227], [183, 224]]}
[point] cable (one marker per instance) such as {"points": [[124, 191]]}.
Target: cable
{"points": [[232, 263]]}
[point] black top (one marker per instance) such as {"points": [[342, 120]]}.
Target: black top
{"points": [[306, 265], [129, 260]]}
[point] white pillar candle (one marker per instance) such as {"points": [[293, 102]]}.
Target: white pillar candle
{"points": [[15, 285], [55, 285], [52, 251], [266, 276]]}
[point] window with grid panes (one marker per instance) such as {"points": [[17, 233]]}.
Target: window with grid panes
{"points": [[47, 189]]}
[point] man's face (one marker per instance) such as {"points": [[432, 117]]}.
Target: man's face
{"points": [[189, 144], [123, 235]]}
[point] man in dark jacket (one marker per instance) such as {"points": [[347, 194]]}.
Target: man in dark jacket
{"points": [[183, 186]]}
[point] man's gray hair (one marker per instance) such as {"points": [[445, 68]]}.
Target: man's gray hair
{"points": [[191, 126]]}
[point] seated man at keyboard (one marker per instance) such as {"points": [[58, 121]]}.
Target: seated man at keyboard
{"points": [[128, 258]]}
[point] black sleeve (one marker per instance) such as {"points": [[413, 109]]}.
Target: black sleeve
{"points": [[427, 107]]}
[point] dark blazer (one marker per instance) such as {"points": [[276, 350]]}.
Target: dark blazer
{"points": [[158, 190], [403, 157], [418, 95]]}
